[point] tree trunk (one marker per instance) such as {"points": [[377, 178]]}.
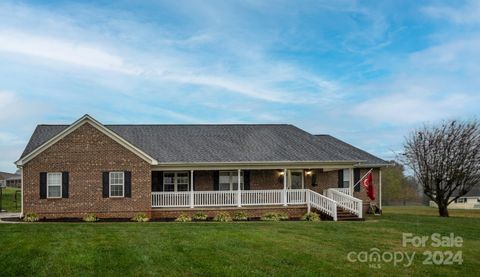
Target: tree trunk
{"points": [[442, 209]]}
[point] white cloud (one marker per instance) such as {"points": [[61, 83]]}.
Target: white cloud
{"points": [[10, 105], [466, 14], [61, 50], [460, 55], [412, 107]]}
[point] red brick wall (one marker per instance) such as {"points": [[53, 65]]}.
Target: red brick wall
{"points": [[271, 179], [85, 153], [293, 212], [265, 179]]}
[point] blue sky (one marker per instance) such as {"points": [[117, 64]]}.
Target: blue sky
{"points": [[364, 71]]}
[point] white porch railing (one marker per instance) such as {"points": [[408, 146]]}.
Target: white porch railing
{"points": [[296, 196], [215, 198], [171, 199], [227, 198], [262, 197], [322, 203], [347, 202], [326, 204]]}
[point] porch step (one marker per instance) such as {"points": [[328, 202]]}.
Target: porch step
{"points": [[343, 215]]}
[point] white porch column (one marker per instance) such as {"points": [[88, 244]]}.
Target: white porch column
{"points": [[191, 190], [284, 187], [239, 189], [351, 181], [307, 199], [380, 188], [21, 191]]}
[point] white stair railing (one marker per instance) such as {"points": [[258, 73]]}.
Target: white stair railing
{"points": [[347, 202], [343, 190], [322, 203]]}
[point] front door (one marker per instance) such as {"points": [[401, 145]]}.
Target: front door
{"points": [[296, 179]]}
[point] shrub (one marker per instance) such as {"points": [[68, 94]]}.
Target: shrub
{"points": [[183, 218], [274, 216], [240, 216], [90, 218], [31, 217], [222, 217], [140, 218], [200, 216], [311, 217]]}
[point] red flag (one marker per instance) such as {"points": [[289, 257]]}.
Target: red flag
{"points": [[368, 184]]}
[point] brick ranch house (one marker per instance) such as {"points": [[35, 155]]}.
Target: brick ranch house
{"points": [[118, 171]]}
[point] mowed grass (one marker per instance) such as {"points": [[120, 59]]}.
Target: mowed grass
{"points": [[233, 249], [8, 200]]}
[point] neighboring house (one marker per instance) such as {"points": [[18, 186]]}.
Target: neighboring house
{"points": [[11, 180], [165, 170], [471, 200]]}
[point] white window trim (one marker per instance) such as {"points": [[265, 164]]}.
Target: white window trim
{"points": [[232, 177], [110, 184], [175, 180], [48, 185]]}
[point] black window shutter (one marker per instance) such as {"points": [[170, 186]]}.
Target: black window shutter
{"points": [[43, 185], [215, 180], [340, 178], [155, 181], [356, 178], [65, 181], [246, 179], [160, 181], [128, 183], [106, 181], [193, 182], [314, 179]]}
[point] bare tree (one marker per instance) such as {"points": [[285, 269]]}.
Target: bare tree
{"points": [[445, 160]]}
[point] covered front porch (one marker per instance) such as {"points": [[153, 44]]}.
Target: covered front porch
{"points": [[324, 189]]}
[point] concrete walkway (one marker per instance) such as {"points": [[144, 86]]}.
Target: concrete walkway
{"points": [[9, 215]]}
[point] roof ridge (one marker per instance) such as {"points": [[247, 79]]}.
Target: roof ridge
{"points": [[185, 124], [201, 124]]}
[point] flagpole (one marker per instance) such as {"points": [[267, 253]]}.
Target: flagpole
{"points": [[361, 179]]}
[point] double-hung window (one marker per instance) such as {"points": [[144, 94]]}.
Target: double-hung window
{"points": [[228, 180], [54, 185], [117, 184], [175, 181]]}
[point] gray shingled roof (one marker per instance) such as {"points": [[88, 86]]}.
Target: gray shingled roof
{"points": [[474, 192], [352, 152], [221, 143], [6, 175]]}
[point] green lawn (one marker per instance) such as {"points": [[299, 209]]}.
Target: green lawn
{"points": [[219, 249], [8, 200]]}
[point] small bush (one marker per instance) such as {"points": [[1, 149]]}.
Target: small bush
{"points": [[274, 217], [140, 218], [183, 218], [200, 216], [31, 217], [311, 217], [240, 216], [222, 217], [90, 218]]}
